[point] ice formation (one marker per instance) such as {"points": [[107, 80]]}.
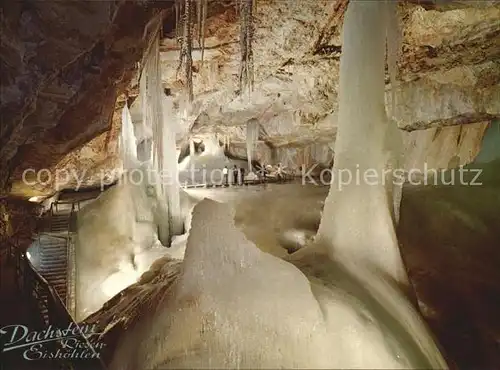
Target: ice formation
{"points": [[156, 114], [252, 136], [357, 222], [167, 164], [234, 306], [128, 144], [117, 239], [206, 168]]}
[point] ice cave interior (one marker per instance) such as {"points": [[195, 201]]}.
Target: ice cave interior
{"points": [[250, 184]]}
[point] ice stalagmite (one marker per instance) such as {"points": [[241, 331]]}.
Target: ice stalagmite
{"points": [[357, 225], [128, 143], [252, 135]]}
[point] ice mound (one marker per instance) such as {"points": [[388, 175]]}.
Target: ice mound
{"points": [[234, 306]]}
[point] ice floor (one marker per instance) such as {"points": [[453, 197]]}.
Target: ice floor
{"points": [[452, 259], [449, 243], [267, 213]]}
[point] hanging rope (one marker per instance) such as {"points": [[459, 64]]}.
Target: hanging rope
{"points": [[201, 36], [184, 35], [186, 48], [246, 77]]}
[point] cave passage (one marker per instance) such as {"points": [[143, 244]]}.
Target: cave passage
{"points": [[204, 184]]}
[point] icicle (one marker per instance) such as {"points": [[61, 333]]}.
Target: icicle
{"points": [[356, 224], [146, 123], [191, 148], [191, 154], [169, 165], [128, 142], [252, 135], [156, 117]]}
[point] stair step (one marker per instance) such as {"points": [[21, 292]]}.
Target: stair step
{"points": [[53, 256], [59, 281], [53, 267], [53, 251], [53, 272], [53, 263], [55, 277], [53, 260]]}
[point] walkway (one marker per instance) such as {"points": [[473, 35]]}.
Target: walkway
{"points": [[46, 296]]}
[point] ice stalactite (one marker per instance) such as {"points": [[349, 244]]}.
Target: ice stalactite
{"points": [[167, 163], [357, 224], [212, 146], [252, 136], [156, 116], [145, 110], [191, 148], [128, 144]]}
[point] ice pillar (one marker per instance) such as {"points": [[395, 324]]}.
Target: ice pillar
{"points": [[252, 135], [357, 222]]}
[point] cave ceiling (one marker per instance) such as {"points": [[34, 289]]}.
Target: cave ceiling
{"points": [[69, 67], [449, 70]]}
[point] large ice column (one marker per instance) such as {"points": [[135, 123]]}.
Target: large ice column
{"points": [[357, 224], [157, 116], [128, 144], [252, 135], [168, 164]]}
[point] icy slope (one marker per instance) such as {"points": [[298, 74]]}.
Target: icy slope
{"points": [[234, 306], [117, 241]]}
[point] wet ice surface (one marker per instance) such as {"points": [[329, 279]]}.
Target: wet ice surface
{"points": [[268, 213]]}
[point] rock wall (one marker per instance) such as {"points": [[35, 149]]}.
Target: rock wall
{"points": [[63, 66], [17, 222], [443, 147]]}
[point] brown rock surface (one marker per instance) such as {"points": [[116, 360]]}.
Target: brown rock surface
{"points": [[63, 65], [450, 73]]}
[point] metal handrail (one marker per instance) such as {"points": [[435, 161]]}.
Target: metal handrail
{"points": [[47, 297]]}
